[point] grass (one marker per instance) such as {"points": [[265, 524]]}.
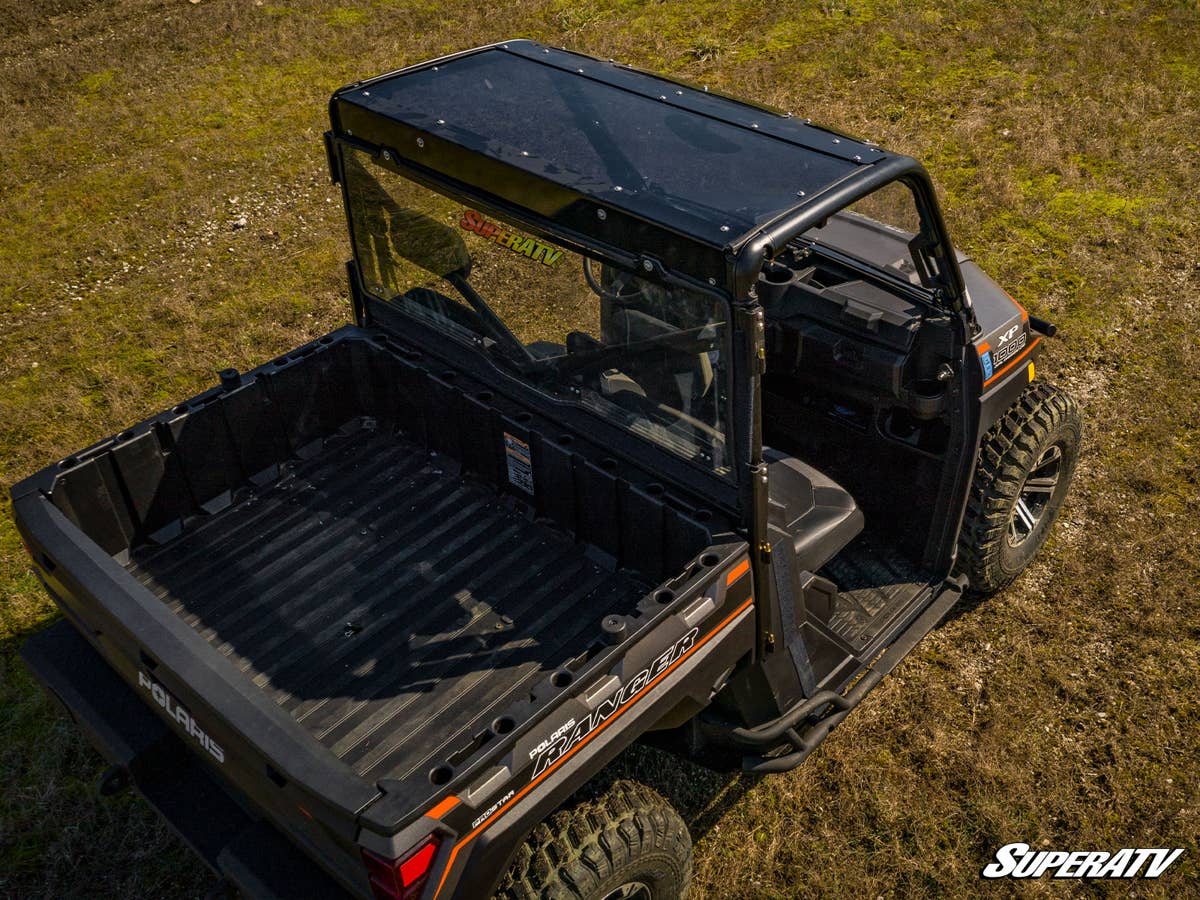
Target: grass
{"points": [[1062, 135]]}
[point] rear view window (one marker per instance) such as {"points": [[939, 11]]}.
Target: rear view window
{"points": [[644, 354]]}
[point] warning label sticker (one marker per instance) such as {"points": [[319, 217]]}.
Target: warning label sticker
{"points": [[520, 463]]}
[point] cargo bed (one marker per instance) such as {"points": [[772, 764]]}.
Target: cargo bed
{"points": [[344, 528], [390, 606]]}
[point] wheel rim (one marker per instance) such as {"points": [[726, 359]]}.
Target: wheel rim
{"points": [[1035, 495], [632, 890]]}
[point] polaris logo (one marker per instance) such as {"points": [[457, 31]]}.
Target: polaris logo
{"points": [[558, 732], [181, 716], [1019, 861]]}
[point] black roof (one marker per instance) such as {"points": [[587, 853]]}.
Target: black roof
{"points": [[545, 129]]}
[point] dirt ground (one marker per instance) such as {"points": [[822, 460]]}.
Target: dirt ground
{"points": [[165, 212]]}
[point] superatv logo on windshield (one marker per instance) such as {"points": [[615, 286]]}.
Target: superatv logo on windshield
{"points": [[182, 717], [565, 737], [517, 243]]}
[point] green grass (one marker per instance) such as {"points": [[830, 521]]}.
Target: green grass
{"points": [[1062, 136]]}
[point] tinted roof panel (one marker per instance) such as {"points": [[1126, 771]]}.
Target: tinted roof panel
{"points": [[694, 162]]}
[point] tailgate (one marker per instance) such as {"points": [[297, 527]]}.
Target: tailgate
{"points": [[216, 713], [251, 854]]}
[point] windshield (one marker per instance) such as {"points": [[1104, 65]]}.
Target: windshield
{"points": [[644, 354]]}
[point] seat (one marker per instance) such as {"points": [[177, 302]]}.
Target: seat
{"points": [[818, 513]]}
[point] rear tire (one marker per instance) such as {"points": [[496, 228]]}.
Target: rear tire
{"points": [[627, 843], [1025, 465]]}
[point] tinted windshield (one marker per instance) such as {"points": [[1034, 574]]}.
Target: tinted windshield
{"points": [[644, 354]]}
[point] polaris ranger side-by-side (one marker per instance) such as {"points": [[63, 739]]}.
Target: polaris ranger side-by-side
{"points": [[662, 416]]}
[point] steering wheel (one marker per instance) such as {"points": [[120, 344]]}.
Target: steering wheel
{"points": [[620, 281]]}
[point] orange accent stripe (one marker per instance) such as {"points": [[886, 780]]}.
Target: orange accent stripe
{"points": [[628, 705], [738, 571], [1024, 314], [444, 807], [1020, 356], [984, 348]]}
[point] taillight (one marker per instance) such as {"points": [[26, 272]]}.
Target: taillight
{"points": [[401, 879]]}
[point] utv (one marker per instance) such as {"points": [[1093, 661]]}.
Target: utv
{"points": [[662, 417]]}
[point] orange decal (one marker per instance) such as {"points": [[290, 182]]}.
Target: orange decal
{"points": [[442, 808], [738, 571]]}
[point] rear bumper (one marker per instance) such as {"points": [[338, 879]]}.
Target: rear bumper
{"points": [[245, 850]]}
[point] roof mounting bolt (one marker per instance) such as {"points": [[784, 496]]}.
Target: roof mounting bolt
{"points": [[601, 215], [706, 89], [524, 152], [724, 227], [799, 193], [580, 71], [712, 281], [366, 93], [441, 121], [349, 133], [387, 155], [837, 140], [647, 265], [618, 188], [753, 124], [435, 68], [420, 142], [858, 157]]}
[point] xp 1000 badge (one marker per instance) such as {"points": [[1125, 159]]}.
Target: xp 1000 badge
{"points": [[1008, 346]]}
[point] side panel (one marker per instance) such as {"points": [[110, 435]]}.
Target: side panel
{"points": [[1005, 347], [680, 664]]}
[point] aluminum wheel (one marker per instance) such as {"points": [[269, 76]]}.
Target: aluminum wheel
{"points": [[634, 890], [1035, 495]]}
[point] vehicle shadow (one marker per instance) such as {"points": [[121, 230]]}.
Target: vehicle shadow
{"points": [[969, 604], [701, 795]]}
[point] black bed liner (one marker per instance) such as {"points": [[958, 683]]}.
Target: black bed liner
{"points": [[392, 607]]}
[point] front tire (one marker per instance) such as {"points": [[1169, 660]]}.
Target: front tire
{"points": [[627, 843], [1025, 465]]}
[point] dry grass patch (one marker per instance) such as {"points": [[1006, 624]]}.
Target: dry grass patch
{"points": [[137, 134]]}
